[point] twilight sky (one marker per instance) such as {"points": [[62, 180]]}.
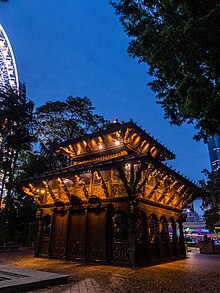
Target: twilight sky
{"points": [[79, 48]]}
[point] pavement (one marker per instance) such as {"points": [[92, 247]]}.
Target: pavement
{"points": [[14, 280], [197, 273]]}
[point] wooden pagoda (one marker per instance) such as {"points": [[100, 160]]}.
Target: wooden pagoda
{"points": [[117, 203]]}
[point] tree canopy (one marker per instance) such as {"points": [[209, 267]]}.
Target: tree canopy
{"points": [[15, 131], [211, 203], [180, 41], [61, 121], [15, 139]]}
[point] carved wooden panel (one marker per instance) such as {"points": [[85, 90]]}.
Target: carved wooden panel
{"points": [[120, 245], [59, 233], [77, 236], [120, 253], [44, 247], [118, 190], [141, 240], [98, 190], [97, 226]]}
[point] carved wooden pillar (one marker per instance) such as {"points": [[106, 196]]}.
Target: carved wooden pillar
{"points": [[167, 239], [182, 240], [39, 232], [110, 183], [91, 184], [131, 239], [175, 251], [149, 252], [157, 240]]}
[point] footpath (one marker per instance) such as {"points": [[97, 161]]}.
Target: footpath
{"points": [[198, 273]]}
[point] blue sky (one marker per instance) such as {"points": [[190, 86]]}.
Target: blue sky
{"points": [[79, 48]]}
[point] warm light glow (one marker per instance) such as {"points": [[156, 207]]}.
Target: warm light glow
{"points": [[127, 166], [42, 191], [38, 190], [100, 146], [117, 142]]}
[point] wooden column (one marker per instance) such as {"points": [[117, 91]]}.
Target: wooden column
{"points": [[131, 238], [131, 232], [182, 240], [158, 240], [39, 232], [175, 251]]}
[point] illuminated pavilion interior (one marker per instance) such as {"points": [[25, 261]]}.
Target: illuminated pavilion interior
{"points": [[117, 203]]}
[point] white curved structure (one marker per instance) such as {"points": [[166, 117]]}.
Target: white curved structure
{"points": [[8, 69]]}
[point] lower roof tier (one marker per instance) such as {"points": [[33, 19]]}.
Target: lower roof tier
{"points": [[140, 176]]}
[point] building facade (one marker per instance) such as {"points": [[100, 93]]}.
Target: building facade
{"points": [[117, 203], [214, 152]]}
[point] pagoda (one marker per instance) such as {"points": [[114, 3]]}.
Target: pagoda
{"points": [[117, 203]]}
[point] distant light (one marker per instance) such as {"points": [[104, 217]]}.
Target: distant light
{"points": [[100, 146], [117, 142]]}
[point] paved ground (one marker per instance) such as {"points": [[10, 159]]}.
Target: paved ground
{"points": [[198, 273], [13, 279]]}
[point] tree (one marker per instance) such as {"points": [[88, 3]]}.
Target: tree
{"points": [[15, 138], [15, 128], [180, 41], [211, 203], [62, 121]]}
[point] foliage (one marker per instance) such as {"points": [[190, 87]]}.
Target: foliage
{"points": [[18, 219], [180, 41], [15, 138], [61, 121], [211, 203], [15, 130], [54, 121]]}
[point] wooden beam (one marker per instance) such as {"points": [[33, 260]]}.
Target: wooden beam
{"points": [[124, 180], [63, 186], [31, 191], [46, 184], [102, 182], [82, 184], [150, 174], [131, 176], [150, 194], [138, 177]]}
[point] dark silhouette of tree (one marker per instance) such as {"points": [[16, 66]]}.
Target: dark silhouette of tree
{"points": [[15, 138], [180, 41], [211, 203], [53, 122], [15, 131], [61, 121]]}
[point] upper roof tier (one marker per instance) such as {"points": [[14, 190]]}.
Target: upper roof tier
{"points": [[117, 139]]}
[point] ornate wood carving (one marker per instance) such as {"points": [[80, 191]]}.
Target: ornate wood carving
{"points": [[138, 177], [124, 180], [47, 186], [31, 191], [82, 184], [102, 182], [63, 186], [150, 174]]}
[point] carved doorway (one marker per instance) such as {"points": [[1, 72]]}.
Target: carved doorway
{"points": [[97, 231], [120, 243], [76, 236], [59, 234]]}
